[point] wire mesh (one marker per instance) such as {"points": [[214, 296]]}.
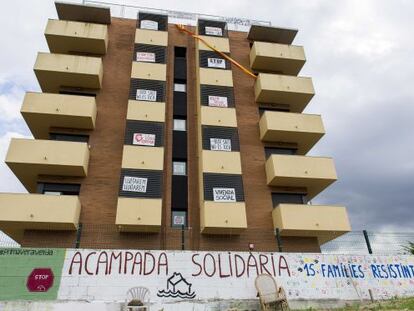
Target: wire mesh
{"points": [[110, 236]]}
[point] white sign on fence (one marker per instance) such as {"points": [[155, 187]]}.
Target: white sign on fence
{"points": [[135, 184], [224, 194], [147, 24], [217, 101], [220, 144], [143, 139], [147, 95], [216, 63], [213, 31], [145, 57]]}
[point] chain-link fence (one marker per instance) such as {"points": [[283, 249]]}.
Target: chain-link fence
{"points": [[181, 238]]}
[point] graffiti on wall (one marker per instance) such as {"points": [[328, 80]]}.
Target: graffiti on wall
{"points": [[171, 276]]}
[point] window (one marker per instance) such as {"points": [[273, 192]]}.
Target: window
{"points": [[273, 150], [289, 198], [179, 125], [179, 168], [58, 189], [179, 219], [179, 87], [69, 137]]}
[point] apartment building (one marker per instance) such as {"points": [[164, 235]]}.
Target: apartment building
{"points": [[146, 134]]}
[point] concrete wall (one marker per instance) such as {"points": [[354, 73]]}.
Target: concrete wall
{"points": [[193, 280]]}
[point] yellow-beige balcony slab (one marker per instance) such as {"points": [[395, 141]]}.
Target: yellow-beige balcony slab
{"points": [[221, 162], [21, 211], [216, 77], [281, 89], [223, 218], [138, 215], [41, 111], [303, 129], [67, 37], [141, 157], [271, 34], [312, 173], [274, 57], [221, 44], [54, 71], [151, 37], [28, 158], [322, 221], [149, 71], [218, 116], [83, 13], [146, 111]]}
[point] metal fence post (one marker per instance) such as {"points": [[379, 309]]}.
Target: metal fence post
{"points": [[78, 235], [367, 241], [182, 238], [279, 240]]}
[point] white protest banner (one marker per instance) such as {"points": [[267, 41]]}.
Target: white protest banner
{"points": [[143, 139], [224, 194], [135, 184], [148, 95], [214, 31], [216, 63], [220, 144], [145, 57], [217, 101], [147, 24]]}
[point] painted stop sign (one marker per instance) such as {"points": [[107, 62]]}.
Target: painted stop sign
{"points": [[40, 280]]}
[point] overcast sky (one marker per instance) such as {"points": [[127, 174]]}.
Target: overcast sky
{"points": [[360, 56]]}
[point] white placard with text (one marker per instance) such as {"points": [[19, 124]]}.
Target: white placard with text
{"points": [[214, 31], [220, 144], [224, 194], [217, 101], [147, 95], [135, 184], [147, 24], [216, 63], [143, 139], [145, 57]]}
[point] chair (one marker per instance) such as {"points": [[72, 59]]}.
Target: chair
{"points": [[271, 297], [139, 293]]}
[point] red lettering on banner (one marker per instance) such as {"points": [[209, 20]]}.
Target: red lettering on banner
{"points": [[197, 264], [263, 264], [115, 257], [102, 261], [145, 263], [252, 264], [213, 263], [79, 261], [235, 263], [137, 262]]}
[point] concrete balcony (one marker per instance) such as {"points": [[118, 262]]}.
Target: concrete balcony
{"points": [[151, 37], [221, 162], [144, 158], [68, 37], [146, 111], [218, 116], [321, 221], [138, 215], [280, 89], [29, 158], [312, 173], [305, 130], [149, 71], [41, 111], [223, 218], [83, 13], [216, 77], [54, 71], [221, 44], [271, 34], [21, 211], [274, 57]]}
